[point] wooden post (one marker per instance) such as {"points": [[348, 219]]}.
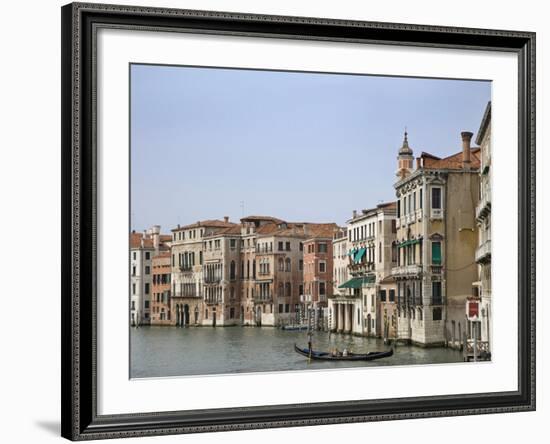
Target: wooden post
{"points": [[475, 340], [464, 346]]}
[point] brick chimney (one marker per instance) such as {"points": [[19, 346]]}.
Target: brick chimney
{"points": [[226, 219], [466, 148]]}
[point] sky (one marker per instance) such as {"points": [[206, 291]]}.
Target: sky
{"points": [[209, 142]]}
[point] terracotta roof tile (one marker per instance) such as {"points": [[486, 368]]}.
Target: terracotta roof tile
{"points": [[453, 162], [206, 223]]}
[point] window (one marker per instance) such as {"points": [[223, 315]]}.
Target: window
{"points": [[288, 246], [134, 255], [133, 305], [288, 289], [301, 246], [322, 288], [147, 288], [146, 304], [436, 198], [280, 246], [414, 201], [147, 269], [301, 289], [147, 255], [420, 199], [322, 267], [380, 252], [322, 248], [399, 208], [287, 264], [281, 308], [232, 244], [133, 270], [281, 264], [436, 252], [437, 314], [232, 271], [392, 295], [301, 265], [436, 293]]}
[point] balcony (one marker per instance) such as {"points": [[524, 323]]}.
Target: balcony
{"points": [[212, 281], [263, 299], [186, 294], [185, 268], [212, 300], [436, 269], [483, 253], [404, 271], [484, 206]]}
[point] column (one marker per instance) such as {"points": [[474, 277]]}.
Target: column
{"points": [[347, 325], [340, 325]]}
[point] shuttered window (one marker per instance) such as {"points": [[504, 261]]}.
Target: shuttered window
{"points": [[436, 253]]}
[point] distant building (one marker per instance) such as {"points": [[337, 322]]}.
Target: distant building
{"points": [[436, 242], [483, 217], [317, 267], [160, 300], [340, 273], [221, 275], [143, 246], [188, 284]]}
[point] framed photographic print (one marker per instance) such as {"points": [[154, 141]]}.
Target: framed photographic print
{"points": [[277, 221]]}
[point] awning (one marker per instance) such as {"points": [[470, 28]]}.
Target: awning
{"points": [[359, 255], [357, 282], [409, 242]]}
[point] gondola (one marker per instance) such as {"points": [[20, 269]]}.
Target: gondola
{"points": [[294, 327], [326, 356]]}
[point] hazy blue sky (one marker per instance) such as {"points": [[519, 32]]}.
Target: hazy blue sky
{"points": [[298, 146]]}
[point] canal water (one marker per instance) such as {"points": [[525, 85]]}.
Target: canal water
{"points": [[172, 351]]}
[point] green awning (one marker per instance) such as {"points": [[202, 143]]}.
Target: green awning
{"points": [[359, 255], [409, 242], [358, 282]]}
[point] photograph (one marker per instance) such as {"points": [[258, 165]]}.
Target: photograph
{"points": [[301, 221]]}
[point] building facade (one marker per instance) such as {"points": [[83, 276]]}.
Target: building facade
{"points": [[187, 278], [160, 298], [143, 246], [436, 242], [483, 217]]}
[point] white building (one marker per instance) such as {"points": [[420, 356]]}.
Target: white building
{"points": [[143, 246]]}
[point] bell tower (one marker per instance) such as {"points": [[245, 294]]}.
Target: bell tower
{"points": [[404, 159]]}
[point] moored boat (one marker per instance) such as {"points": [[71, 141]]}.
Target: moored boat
{"points": [[328, 356]]}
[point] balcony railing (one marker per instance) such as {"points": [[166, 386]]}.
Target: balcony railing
{"points": [[212, 300], [436, 269], [484, 206], [187, 294], [407, 270], [212, 280], [483, 252]]}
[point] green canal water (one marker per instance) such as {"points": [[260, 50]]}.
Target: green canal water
{"points": [[172, 351]]}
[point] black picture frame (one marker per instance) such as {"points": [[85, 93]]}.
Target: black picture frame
{"points": [[79, 171]]}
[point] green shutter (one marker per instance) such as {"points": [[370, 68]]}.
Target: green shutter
{"points": [[436, 253]]}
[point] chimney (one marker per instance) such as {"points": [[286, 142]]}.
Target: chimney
{"points": [[418, 163], [226, 219], [466, 139], [354, 214]]}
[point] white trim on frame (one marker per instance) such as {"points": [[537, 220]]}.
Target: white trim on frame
{"points": [[118, 394]]}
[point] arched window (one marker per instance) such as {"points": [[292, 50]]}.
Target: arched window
{"points": [[232, 270], [287, 264], [280, 290], [281, 264], [288, 289]]}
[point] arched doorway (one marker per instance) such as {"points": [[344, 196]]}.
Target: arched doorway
{"points": [[177, 314], [259, 316], [214, 317], [196, 315], [186, 315]]}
